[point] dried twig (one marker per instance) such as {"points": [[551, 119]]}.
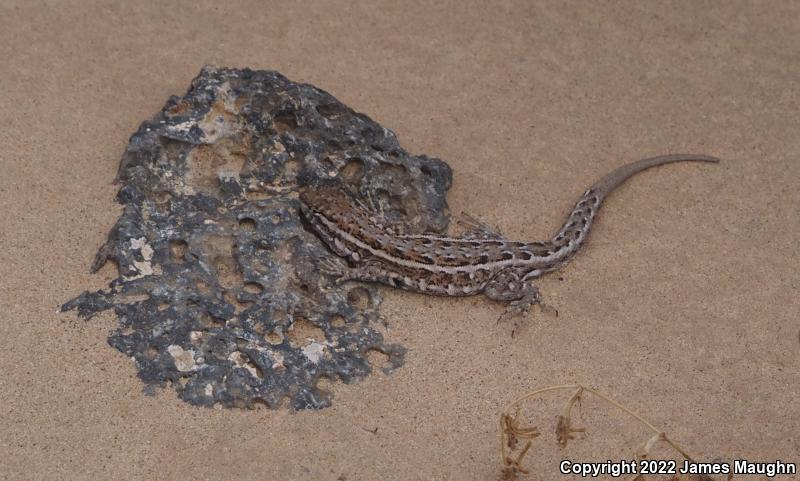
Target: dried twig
{"points": [[511, 430]]}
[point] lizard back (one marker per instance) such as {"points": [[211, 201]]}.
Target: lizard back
{"points": [[454, 266]]}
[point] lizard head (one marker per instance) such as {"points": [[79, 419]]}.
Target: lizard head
{"points": [[327, 200], [337, 205]]}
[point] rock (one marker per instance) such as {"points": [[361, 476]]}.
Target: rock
{"points": [[217, 275]]}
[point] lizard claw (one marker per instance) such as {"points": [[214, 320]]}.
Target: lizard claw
{"points": [[332, 268], [520, 308], [515, 310], [548, 309]]}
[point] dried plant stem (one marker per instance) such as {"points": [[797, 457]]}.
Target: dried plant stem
{"points": [[510, 427]]}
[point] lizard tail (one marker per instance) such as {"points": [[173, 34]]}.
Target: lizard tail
{"points": [[576, 228], [604, 186]]}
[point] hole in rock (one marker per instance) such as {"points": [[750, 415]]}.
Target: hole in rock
{"points": [[303, 332], [377, 359], [360, 298], [247, 224], [353, 170], [338, 321], [284, 122], [274, 337], [330, 111], [177, 249], [253, 288]]}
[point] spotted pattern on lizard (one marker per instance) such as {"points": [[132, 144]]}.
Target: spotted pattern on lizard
{"points": [[480, 261]]}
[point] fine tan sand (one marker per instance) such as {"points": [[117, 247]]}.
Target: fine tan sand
{"points": [[683, 304]]}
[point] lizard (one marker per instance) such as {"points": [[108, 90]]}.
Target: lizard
{"points": [[480, 261]]}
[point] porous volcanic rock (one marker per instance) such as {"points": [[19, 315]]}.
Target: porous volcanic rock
{"points": [[220, 292]]}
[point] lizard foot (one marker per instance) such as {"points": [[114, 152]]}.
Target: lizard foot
{"points": [[333, 268], [518, 311]]}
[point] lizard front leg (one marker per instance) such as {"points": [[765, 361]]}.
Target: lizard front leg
{"points": [[378, 215]]}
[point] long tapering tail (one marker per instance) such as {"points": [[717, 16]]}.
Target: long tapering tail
{"points": [[612, 180], [573, 233]]}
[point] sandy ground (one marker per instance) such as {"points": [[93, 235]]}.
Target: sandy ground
{"points": [[684, 303]]}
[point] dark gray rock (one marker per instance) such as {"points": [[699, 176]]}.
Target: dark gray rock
{"points": [[219, 290]]}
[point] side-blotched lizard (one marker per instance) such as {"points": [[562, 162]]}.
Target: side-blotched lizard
{"points": [[480, 261]]}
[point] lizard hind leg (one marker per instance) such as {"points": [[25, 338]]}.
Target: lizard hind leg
{"points": [[508, 286]]}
